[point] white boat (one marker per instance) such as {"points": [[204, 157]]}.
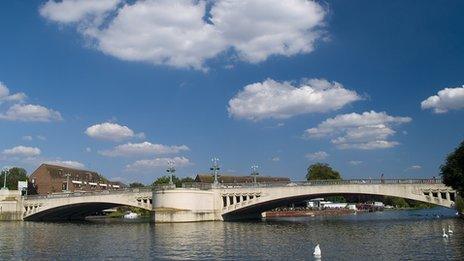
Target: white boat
{"points": [[131, 215], [317, 252]]}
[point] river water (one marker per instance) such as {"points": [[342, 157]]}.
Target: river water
{"points": [[388, 235]]}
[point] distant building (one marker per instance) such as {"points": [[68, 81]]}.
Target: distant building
{"points": [[48, 179], [208, 178]]}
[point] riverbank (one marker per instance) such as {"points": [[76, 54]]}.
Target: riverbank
{"points": [[308, 213]]}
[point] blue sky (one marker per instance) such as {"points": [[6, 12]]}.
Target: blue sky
{"points": [[366, 86]]}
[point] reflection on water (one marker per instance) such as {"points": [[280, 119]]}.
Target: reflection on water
{"points": [[389, 235]]}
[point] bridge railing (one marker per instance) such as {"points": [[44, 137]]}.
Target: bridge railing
{"points": [[206, 186], [88, 193]]}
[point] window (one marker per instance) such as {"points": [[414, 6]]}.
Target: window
{"points": [[443, 195]]}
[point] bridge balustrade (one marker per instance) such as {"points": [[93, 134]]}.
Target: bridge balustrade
{"points": [[88, 193], [207, 186]]}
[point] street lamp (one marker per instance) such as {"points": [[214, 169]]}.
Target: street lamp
{"points": [[254, 172], [171, 170], [215, 169], [5, 172]]}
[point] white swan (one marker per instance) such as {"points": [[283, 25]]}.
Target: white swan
{"points": [[317, 252], [449, 230], [444, 233]]}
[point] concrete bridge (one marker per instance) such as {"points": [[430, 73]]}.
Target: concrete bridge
{"points": [[205, 202], [248, 201], [76, 206]]}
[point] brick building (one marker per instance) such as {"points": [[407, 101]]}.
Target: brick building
{"points": [[49, 179]]}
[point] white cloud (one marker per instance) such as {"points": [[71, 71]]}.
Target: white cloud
{"points": [[111, 131], [280, 100], [67, 163], [319, 155], [22, 151], [257, 29], [275, 159], [30, 112], [161, 32], [6, 96], [414, 168], [150, 164], [27, 137], [355, 162], [446, 99], [88, 149], [185, 33], [144, 148], [366, 131], [70, 11]]}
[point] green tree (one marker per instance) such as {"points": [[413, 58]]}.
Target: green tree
{"points": [[164, 180], [136, 185], [452, 171], [14, 175], [187, 180], [396, 202], [321, 171]]}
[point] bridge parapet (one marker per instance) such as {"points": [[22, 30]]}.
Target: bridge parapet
{"points": [[208, 186], [88, 193]]}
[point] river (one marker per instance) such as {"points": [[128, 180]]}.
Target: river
{"points": [[388, 235]]}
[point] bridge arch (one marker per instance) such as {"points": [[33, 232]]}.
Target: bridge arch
{"points": [[77, 207], [235, 207]]}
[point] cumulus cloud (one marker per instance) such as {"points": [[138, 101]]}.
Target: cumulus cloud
{"points": [[22, 151], [257, 29], [111, 131], [28, 138], [186, 33], [71, 11], [67, 163], [30, 112], [355, 162], [445, 100], [281, 100], [366, 131], [150, 164], [414, 168], [319, 155], [5, 95], [144, 148]]}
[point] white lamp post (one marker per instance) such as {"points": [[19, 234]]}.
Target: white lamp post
{"points": [[171, 170], [5, 172], [215, 169], [254, 173]]}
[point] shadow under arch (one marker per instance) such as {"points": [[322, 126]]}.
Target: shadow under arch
{"points": [[72, 211]]}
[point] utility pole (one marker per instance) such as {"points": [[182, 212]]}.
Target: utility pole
{"points": [[215, 169], [171, 170]]}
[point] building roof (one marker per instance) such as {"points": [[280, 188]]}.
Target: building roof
{"points": [[208, 178], [57, 171]]}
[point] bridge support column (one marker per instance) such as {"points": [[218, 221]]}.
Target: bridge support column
{"points": [[187, 205]]}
